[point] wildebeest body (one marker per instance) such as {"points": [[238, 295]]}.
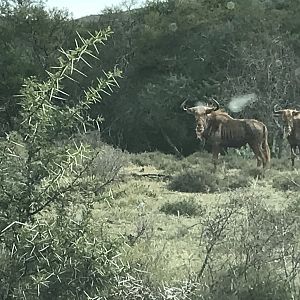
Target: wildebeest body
{"points": [[234, 132], [291, 120], [222, 131]]}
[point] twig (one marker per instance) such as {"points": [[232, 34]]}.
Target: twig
{"points": [[150, 175]]}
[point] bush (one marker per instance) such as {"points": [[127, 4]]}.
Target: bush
{"points": [[107, 163], [183, 208], [160, 161], [255, 289], [248, 250], [286, 183], [52, 262], [235, 182], [48, 250], [92, 138], [205, 181], [156, 159], [257, 173], [195, 181], [237, 159], [281, 164]]}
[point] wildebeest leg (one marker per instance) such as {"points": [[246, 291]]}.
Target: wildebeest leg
{"points": [[265, 154], [215, 153], [257, 149], [293, 155]]}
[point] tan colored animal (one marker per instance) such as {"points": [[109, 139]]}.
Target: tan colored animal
{"points": [[291, 128], [222, 131]]}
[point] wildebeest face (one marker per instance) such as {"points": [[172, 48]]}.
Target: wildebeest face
{"points": [[287, 116], [201, 114]]}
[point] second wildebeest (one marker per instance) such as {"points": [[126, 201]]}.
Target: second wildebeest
{"points": [[291, 128]]}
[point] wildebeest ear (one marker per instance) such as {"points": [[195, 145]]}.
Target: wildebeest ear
{"points": [[190, 110], [277, 111], [295, 113], [209, 110]]}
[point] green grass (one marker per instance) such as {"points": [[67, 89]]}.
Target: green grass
{"points": [[141, 208]]}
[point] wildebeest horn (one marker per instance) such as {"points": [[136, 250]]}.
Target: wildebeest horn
{"points": [[209, 110], [275, 110], [216, 103], [183, 104]]}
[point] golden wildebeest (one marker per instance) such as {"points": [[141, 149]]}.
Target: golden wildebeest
{"points": [[223, 131], [291, 128]]}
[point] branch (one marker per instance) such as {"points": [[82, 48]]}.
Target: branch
{"points": [[59, 192], [150, 175], [221, 227], [177, 152]]}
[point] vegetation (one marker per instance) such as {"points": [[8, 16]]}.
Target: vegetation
{"points": [[182, 208], [47, 194], [235, 243], [124, 207], [168, 51]]}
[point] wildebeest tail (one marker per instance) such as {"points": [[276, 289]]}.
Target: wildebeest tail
{"points": [[265, 145]]}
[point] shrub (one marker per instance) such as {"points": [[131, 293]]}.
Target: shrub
{"points": [[92, 138], [195, 181], [281, 164], [48, 251], [151, 158], [248, 249], [237, 159], [184, 208], [286, 183], [107, 163], [237, 181], [166, 162], [257, 173]]}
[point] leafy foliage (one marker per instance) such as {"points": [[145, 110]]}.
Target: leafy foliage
{"points": [[30, 38]]}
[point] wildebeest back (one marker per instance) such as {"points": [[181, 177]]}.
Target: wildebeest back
{"points": [[233, 132]]}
